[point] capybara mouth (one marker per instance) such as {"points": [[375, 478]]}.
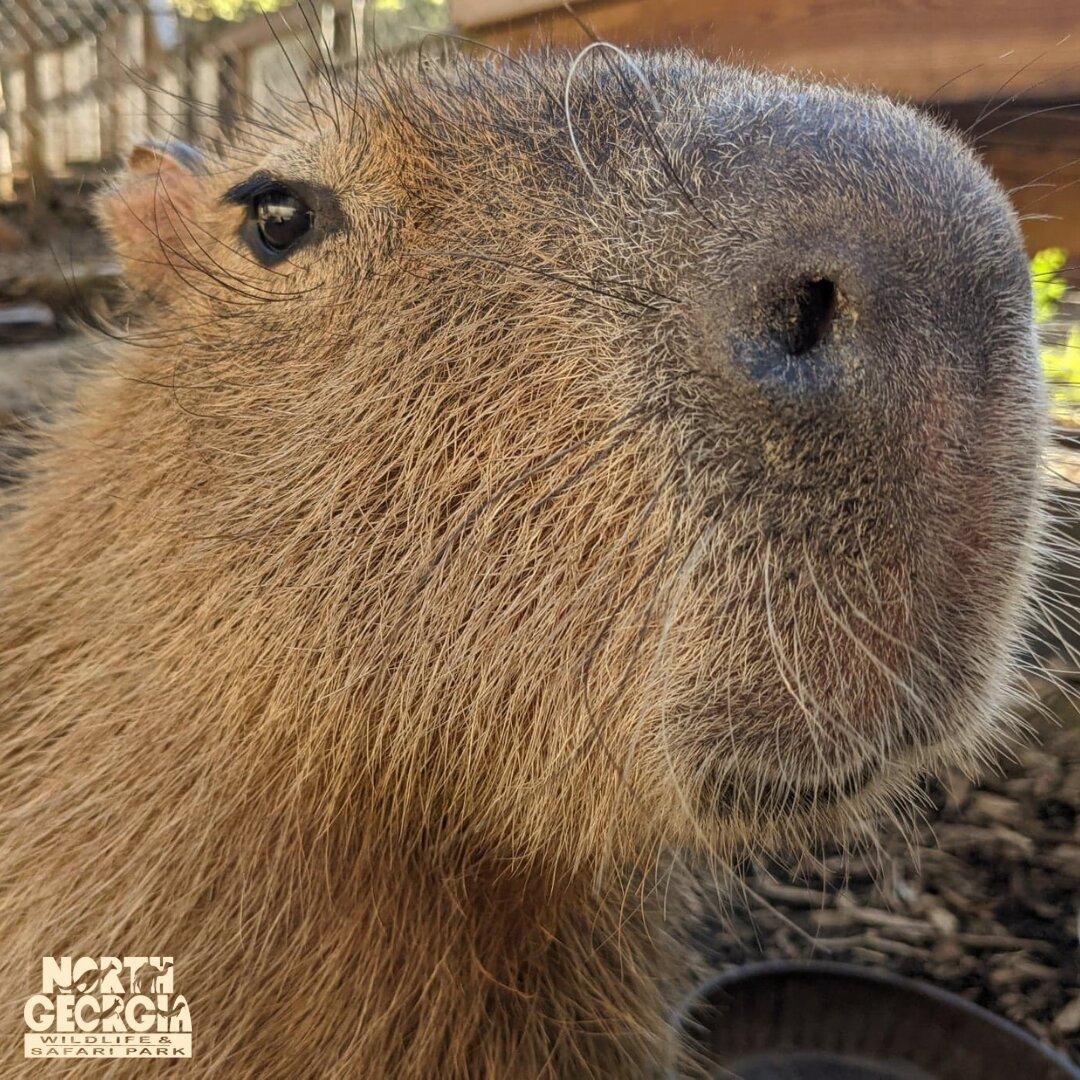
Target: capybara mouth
{"points": [[779, 796], [772, 813]]}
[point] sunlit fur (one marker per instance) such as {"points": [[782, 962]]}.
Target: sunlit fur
{"points": [[382, 625]]}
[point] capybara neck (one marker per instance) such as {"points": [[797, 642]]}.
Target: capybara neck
{"points": [[317, 911], [309, 927]]}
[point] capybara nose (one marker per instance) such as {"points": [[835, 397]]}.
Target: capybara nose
{"points": [[857, 257]]}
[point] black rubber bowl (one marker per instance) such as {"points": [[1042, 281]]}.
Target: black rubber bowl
{"points": [[823, 1021]]}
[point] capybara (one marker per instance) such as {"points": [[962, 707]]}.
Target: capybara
{"points": [[517, 480]]}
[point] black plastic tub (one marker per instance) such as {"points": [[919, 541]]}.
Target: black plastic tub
{"points": [[788, 1020]]}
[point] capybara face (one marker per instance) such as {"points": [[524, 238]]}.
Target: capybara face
{"points": [[647, 451]]}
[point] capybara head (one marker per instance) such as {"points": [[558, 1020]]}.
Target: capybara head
{"points": [[609, 452]]}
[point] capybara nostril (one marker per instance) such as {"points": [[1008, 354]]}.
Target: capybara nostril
{"points": [[805, 315], [781, 340]]}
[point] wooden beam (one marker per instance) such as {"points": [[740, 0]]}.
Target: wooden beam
{"points": [[105, 89], [9, 124], [33, 148], [962, 50], [32, 136]]}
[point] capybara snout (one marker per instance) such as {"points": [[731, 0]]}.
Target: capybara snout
{"points": [[841, 338], [855, 253]]}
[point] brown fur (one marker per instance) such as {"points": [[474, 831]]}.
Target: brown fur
{"points": [[379, 622]]}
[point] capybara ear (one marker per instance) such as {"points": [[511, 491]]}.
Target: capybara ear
{"points": [[150, 212]]}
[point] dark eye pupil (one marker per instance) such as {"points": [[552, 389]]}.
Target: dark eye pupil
{"points": [[281, 217]]}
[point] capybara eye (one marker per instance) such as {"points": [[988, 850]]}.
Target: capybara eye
{"points": [[281, 218]]}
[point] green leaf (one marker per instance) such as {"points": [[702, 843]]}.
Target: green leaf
{"points": [[1047, 285]]}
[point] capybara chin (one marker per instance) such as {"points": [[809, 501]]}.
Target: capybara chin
{"points": [[525, 473]]}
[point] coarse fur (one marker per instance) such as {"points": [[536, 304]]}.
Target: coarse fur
{"points": [[383, 627]]}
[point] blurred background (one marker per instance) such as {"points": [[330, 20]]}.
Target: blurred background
{"points": [[984, 899]]}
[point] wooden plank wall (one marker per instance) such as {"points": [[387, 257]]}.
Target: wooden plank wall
{"points": [[74, 106], [910, 48]]}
